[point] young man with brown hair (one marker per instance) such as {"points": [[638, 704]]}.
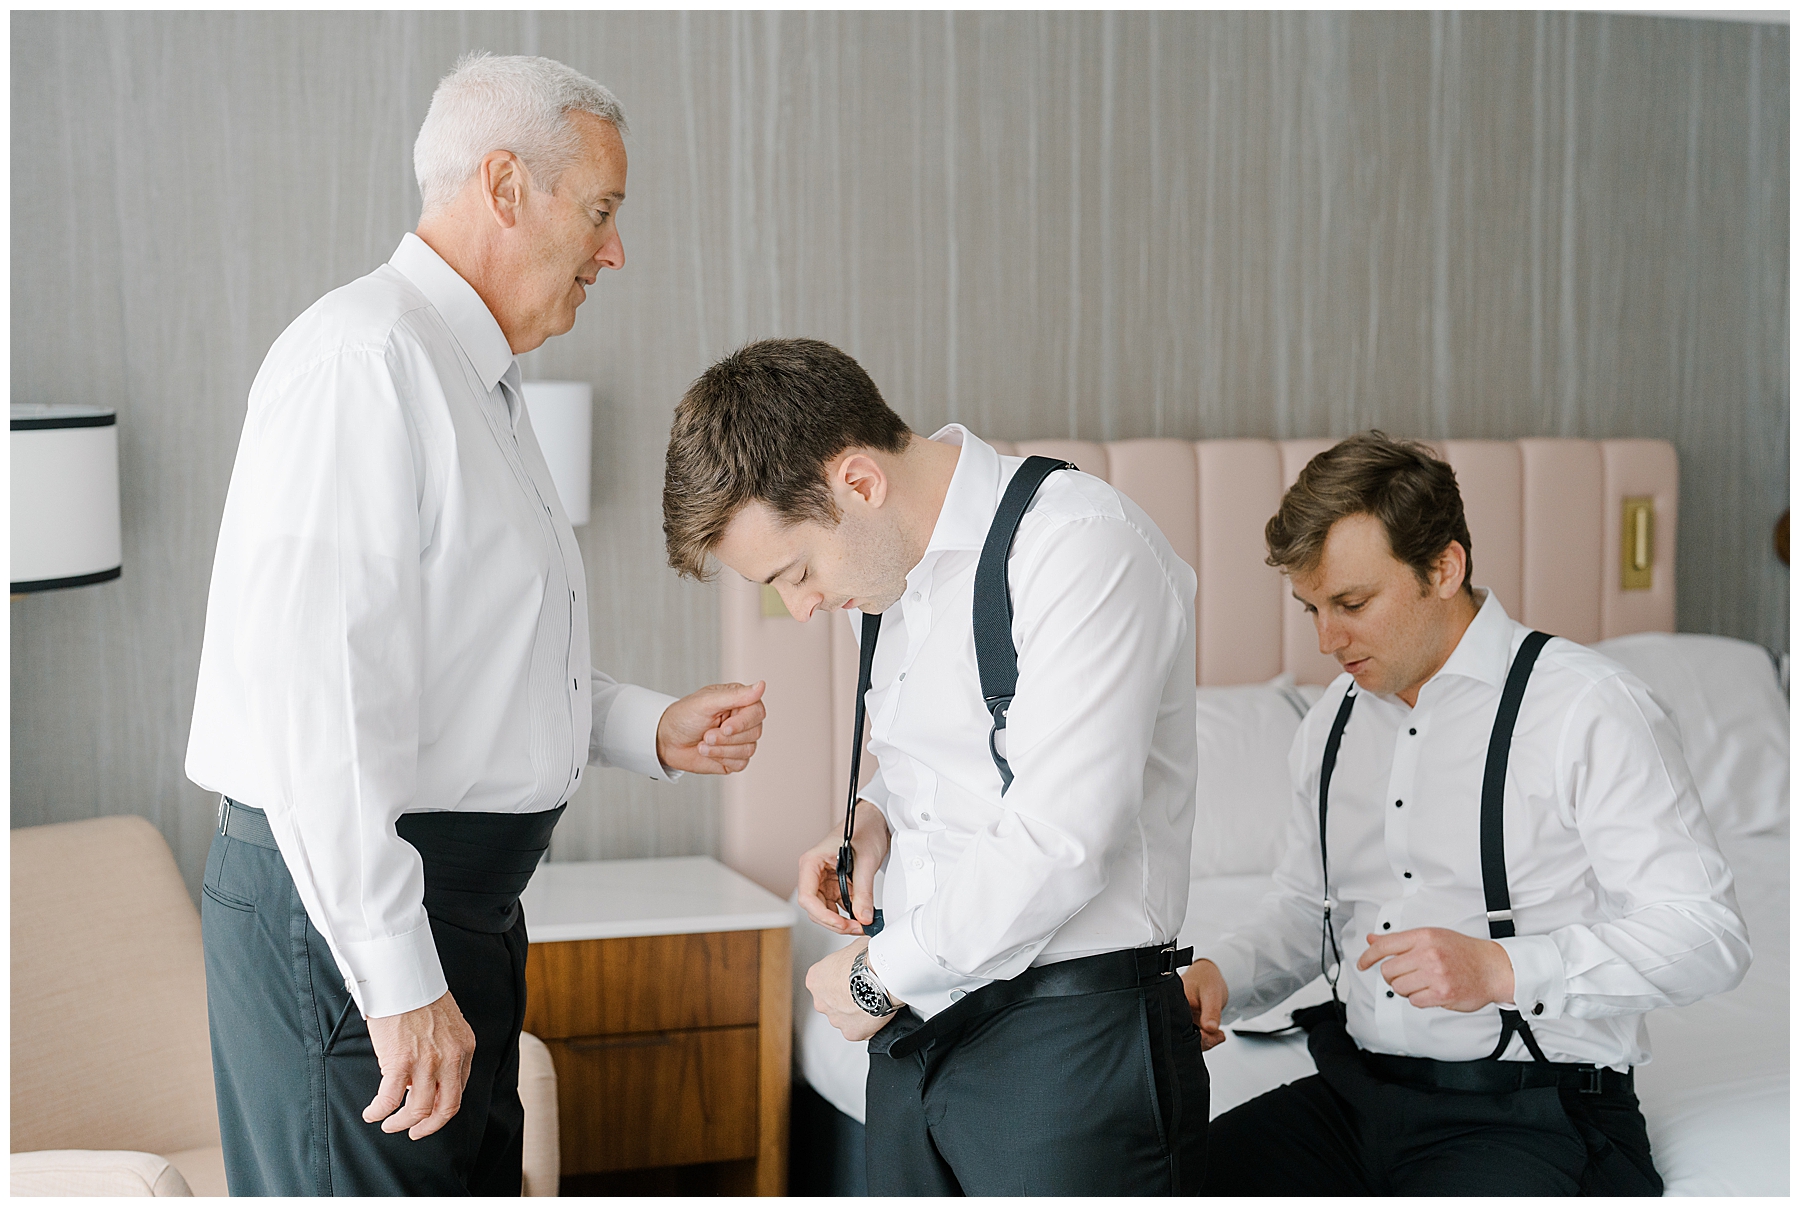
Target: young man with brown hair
{"points": [[1497, 840], [1028, 1034]]}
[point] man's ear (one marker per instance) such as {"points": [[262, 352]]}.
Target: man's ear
{"points": [[857, 473], [1448, 571], [504, 183]]}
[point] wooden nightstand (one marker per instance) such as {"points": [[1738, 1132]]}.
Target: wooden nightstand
{"points": [[662, 988]]}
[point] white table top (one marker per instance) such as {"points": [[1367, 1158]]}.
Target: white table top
{"points": [[624, 898]]}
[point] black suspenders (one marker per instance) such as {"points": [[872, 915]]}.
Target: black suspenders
{"points": [[1493, 828], [846, 864], [995, 656], [1326, 766]]}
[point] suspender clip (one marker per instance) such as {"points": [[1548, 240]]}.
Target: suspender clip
{"points": [[1499, 915]]}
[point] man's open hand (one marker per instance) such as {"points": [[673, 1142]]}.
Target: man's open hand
{"points": [[712, 731], [829, 983], [1206, 993], [425, 1056], [1431, 966], [818, 873]]}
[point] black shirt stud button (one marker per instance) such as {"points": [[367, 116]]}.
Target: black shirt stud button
{"points": [[1386, 925], [1538, 1009], [1390, 993], [1413, 732], [1408, 875], [1398, 803]]}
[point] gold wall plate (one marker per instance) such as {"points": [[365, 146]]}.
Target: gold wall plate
{"points": [[1637, 543]]}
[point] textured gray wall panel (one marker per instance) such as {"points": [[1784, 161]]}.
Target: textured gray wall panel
{"points": [[1090, 225]]}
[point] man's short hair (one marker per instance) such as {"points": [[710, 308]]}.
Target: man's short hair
{"points": [[761, 425], [1399, 482], [517, 103]]}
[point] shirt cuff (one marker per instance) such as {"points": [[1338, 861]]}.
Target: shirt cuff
{"points": [[628, 736], [395, 974], [1538, 983], [1237, 969], [911, 973]]}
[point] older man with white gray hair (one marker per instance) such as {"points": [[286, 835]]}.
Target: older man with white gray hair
{"points": [[395, 702]]}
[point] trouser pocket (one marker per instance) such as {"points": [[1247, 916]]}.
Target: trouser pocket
{"points": [[221, 870]]}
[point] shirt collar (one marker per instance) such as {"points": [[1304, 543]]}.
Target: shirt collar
{"points": [[1485, 651], [974, 493], [462, 309]]}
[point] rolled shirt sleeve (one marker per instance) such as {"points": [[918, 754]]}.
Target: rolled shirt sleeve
{"points": [[1098, 627]]}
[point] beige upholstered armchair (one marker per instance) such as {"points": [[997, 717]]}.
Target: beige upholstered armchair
{"points": [[112, 1090]]}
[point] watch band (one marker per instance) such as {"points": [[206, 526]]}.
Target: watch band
{"points": [[867, 990]]}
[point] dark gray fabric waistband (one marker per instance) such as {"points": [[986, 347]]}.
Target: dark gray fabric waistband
{"points": [[476, 864]]}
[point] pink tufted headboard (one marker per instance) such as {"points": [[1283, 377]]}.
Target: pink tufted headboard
{"points": [[1547, 520]]}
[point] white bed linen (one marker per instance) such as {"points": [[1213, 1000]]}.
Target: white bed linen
{"points": [[1715, 1092]]}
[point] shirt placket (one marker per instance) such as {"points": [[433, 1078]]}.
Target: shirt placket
{"points": [[1398, 807], [916, 608], [510, 400]]}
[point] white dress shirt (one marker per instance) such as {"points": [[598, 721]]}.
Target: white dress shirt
{"points": [[1621, 900], [397, 621], [1087, 852]]}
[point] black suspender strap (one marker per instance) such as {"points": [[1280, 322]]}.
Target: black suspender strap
{"points": [[1493, 830], [995, 656], [846, 865], [1493, 826], [1327, 765]]}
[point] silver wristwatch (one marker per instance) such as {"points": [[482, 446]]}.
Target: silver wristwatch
{"points": [[868, 990]]}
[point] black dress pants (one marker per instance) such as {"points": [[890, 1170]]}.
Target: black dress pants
{"points": [[1097, 1094], [1346, 1132], [293, 1065]]}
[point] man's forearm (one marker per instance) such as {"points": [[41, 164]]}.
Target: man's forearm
{"points": [[1265, 961]]}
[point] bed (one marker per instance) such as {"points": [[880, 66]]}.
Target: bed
{"points": [[1576, 537]]}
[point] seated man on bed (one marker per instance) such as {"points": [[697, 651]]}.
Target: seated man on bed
{"points": [[1494, 992], [1029, 1034]]}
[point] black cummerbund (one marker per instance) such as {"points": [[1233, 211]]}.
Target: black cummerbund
{"points": [[477, 864]]}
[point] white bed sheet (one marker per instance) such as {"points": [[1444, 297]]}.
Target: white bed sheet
{"points": [[1715, 1093]]}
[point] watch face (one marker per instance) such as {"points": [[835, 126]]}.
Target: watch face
{"points": [[867, 997], [864, 992]]}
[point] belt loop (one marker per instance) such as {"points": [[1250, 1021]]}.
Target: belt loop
{"points": [[1593, 1080]]}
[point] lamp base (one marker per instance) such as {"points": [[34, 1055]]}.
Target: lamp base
{"points": [[57, 584]]}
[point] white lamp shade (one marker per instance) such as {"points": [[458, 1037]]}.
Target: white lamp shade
{"points": [[562, 415], [65, 497]]}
